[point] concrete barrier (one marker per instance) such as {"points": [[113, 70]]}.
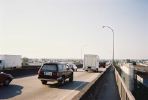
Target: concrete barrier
{"points": [[21, 72], [125, 94], [87, 87]]}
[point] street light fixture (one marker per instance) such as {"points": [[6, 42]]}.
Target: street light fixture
{"points": [[113, 39]]}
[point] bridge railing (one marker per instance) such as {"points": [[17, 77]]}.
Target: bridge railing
{"points": [[124, 92]]}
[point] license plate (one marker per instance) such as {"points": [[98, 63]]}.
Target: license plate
{"points": [[48, 73]]}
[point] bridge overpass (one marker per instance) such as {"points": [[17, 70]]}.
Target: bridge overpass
{"points": [[105, 85]]}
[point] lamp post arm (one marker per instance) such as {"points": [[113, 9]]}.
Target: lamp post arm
{"points": [[113, 38]]}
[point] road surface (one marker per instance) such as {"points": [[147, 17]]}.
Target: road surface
{"points": [[30, 88]]}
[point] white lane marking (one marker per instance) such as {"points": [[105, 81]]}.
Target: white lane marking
{"points": [[69, 94]]}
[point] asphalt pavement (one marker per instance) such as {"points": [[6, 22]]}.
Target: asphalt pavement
{"points": [[31, 88]]}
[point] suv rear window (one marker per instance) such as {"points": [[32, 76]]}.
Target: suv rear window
{"points": [[50, 67]]}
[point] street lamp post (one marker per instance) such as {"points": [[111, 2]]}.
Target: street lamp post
{"points": [[113, 39]]}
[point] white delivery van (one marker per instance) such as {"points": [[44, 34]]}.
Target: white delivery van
{"points": [[91, 62], [10, 61]]}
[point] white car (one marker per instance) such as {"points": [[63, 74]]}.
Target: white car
{"points": [[73, 67]]}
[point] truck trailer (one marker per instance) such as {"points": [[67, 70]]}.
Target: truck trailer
{"points": [[10, 61], [91, 62]]}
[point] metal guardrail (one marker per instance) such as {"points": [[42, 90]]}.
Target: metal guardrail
{"points": [[124, 92]]}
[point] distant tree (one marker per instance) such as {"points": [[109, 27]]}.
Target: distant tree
{"points": [[134, 63], [128, 60]]}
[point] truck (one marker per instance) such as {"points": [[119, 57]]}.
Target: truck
{"points": [[10, 61], [91, 62]]}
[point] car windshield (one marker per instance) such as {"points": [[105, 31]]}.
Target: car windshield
{"points": [[52, 67]]}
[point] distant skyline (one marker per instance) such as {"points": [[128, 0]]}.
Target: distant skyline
{"points": [[68, 29]]}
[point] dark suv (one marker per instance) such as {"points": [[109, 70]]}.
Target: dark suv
{"points": [[55, 72]]}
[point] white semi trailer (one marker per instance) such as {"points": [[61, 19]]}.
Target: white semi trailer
{"points": [[10, 61], [91, 62]]}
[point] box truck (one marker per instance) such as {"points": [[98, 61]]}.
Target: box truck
{"points": [[10, 61], [91, 62]]}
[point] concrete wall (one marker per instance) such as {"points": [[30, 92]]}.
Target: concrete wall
{"points": [[127, 75], [124, 92], [21, 72]]}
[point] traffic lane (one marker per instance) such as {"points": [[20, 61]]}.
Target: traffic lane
{"points": [[46, 92], [34, 89], [30, 88], [66, 91]]}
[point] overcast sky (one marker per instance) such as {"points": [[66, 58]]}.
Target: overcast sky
{"points": [[65, 28]]}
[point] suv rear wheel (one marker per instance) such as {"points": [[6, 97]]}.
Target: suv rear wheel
{"points": [[71, 78], [6, 82], [44, 82], [62, 81]]}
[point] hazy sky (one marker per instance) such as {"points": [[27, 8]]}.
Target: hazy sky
{"points": [[64, 28]]}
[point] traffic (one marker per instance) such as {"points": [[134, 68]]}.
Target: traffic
{"points": [[56, 80]]}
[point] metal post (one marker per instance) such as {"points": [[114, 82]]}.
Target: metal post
{"points": [[113, 41]]}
